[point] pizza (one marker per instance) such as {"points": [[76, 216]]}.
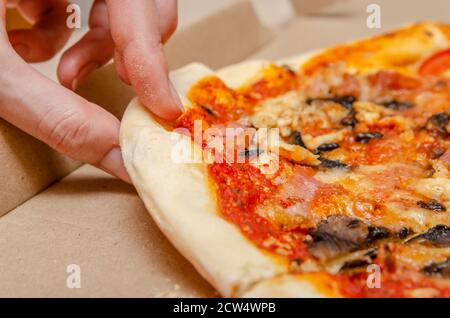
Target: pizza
{"points": [[321, 175]]}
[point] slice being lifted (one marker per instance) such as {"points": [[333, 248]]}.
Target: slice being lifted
{"points": [[356, 185]]}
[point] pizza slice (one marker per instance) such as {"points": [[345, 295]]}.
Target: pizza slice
{"points": [[323, 175]]}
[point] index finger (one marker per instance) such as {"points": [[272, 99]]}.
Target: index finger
{"points": [[135, 29]]}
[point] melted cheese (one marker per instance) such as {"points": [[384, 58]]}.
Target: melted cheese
{"points": [[399, 51]]}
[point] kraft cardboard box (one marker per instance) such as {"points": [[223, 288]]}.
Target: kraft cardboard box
{"points": [[97, 225]]}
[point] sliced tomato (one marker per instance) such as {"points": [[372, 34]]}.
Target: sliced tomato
{"points": [[436, 64]]}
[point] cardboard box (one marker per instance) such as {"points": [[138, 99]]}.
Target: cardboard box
{"points": [[98, 223]]}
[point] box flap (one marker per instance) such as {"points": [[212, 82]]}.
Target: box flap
{"points": [[223, 38], [98, 223]]}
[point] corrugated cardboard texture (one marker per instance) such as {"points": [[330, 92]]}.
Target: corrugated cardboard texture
{"points": [[28, 166], [100, 224]]}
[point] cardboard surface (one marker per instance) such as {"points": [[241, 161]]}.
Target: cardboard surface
{"points": [[99, 223], [225, 37]]}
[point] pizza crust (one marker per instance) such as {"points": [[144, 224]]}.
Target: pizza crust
{"points": [[289, 286], [239, 74]]}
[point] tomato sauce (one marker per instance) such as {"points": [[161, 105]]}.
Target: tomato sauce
{"points": [[392, 285], [240, 189]]}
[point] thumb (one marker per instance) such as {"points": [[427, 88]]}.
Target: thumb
{"points": [[58, 117]]}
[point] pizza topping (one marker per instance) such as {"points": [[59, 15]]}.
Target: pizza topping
{"points": [[438, 123], [364, 137], [326, 147], [351, 262], [364, 166], [329, 163], [389, 80], [445, 158], [298, 154], [436, 187], [337, 235], [208, 110], [437, 152], [346, 101], [312, 142], [397, 105], [438, 235], [331, 81], [350, 119], [356, 263], [432, 205], [437, 64], [438, 269], [296, 139], [289, 69], [404, 232], [378, 233], [250, 153]]}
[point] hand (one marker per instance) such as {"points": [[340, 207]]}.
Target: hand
{"points": [[133, 31]]}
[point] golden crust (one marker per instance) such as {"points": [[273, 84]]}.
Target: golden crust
{"points": [[401, 50]]}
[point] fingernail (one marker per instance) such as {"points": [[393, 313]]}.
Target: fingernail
{"points": [[176, 97], [113, 164], [83, 73], [22, 49]]}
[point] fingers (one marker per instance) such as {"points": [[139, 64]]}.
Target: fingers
{"points": [[60, 118], [94, 50], [168, 17], [97, 47], [49, 33], [136, 32]]}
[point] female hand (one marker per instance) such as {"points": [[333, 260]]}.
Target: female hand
{"points": [[131, 31]]}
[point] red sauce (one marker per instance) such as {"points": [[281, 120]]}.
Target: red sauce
{"points": [[275, 81], [240, 189], [218, 101], [392, 285]]}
